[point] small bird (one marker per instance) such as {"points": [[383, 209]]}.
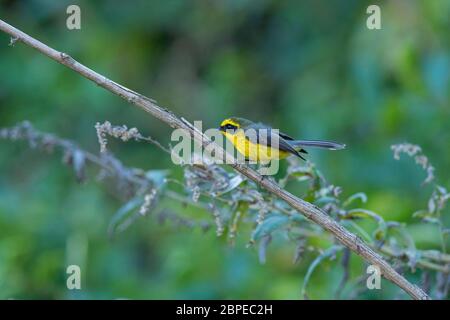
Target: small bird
{"points": [[256, 144]]}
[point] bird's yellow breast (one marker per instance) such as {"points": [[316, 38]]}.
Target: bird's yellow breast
{"points": [[253, 151]]}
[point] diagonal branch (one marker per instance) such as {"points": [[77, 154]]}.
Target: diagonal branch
{"points": [[309, 210]]}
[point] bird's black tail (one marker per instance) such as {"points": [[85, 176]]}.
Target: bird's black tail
{"points": [[318, 143]]}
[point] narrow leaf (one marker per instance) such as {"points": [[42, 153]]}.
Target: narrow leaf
{"points": [[329, 253], [360, 195], [269, 225], [123, 214]]}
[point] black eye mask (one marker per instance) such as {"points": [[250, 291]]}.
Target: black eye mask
{"points": [[228, 127]]}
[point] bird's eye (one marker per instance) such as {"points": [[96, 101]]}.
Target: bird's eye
{"points": [[230, 127]]}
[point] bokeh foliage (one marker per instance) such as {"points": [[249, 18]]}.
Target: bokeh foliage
{"points": [[311, 68]]}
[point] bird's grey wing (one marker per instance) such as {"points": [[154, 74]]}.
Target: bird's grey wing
{"points": [[271, 132], [267, 136]]}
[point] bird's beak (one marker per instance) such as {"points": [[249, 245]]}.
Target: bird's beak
{"points": [[221, 129]]}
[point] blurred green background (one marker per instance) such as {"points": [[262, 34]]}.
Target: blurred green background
{"points": [[309, 67]]}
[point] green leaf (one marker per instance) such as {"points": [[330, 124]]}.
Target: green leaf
{"points": [[325, 200], [302, 173], [432, 220], [431, 205], [263, 244], [362, 213], [157, 176], [360, 195], [441, 190], [421, 214], [269, 225], [329, 253], [379, 234], [123, 215], [79, 165]]}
